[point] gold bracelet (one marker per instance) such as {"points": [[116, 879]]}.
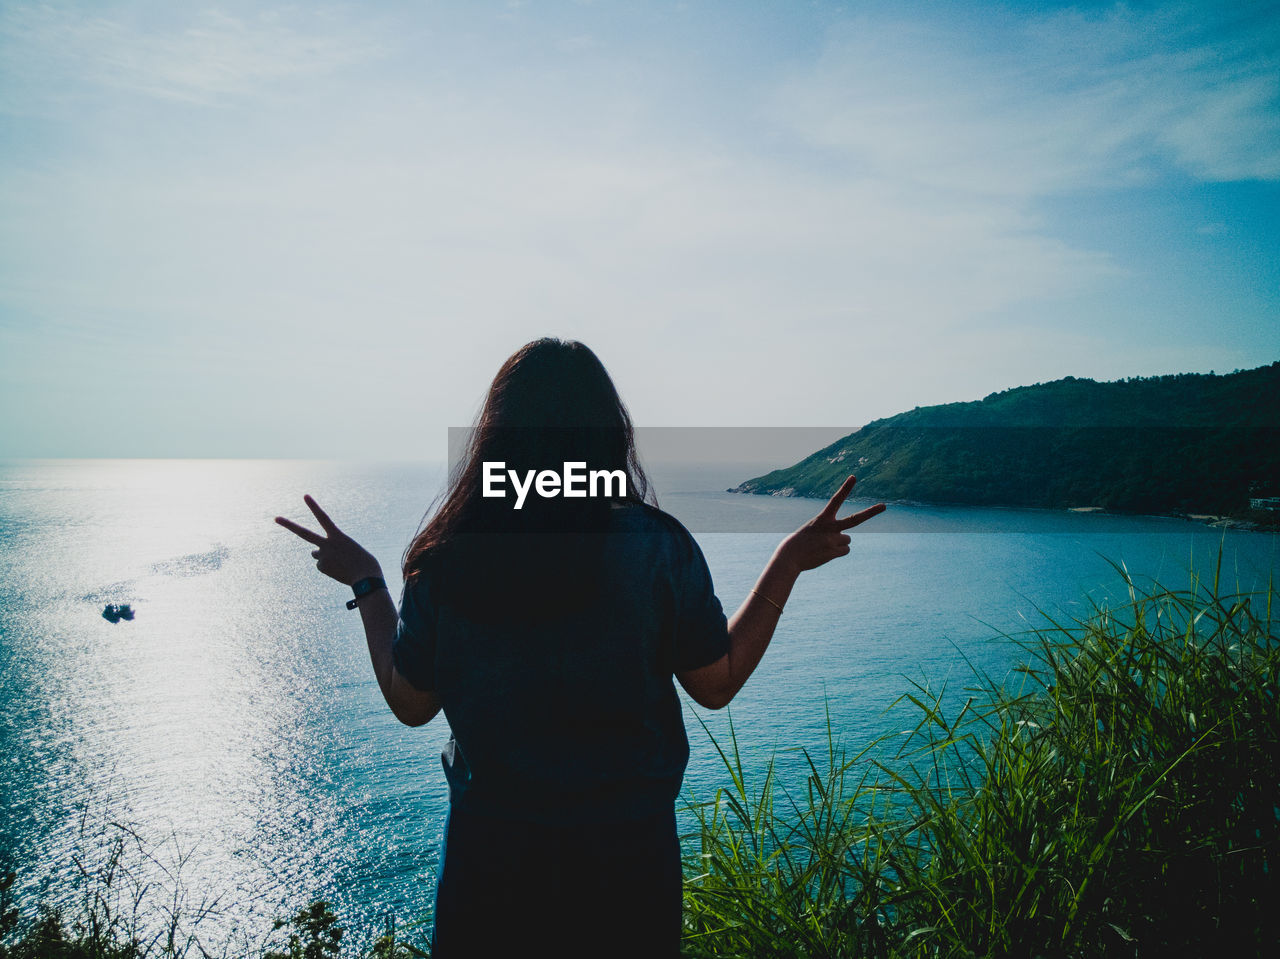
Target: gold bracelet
{"points": [[768, 600]]}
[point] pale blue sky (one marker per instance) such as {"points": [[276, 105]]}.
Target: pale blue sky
{"points": [[317, 230]]}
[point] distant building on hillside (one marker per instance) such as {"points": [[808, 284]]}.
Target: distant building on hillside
{"points": [[1265, 502]]}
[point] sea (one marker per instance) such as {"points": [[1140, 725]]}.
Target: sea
{"points": [[226, 757]]}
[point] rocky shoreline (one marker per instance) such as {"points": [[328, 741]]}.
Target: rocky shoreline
{"points": [[1248, 524]]}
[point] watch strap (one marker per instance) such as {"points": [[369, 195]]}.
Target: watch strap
{"points": [[364, 587]]}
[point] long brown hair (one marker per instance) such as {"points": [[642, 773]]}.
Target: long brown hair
{"points": [[552, 402]]}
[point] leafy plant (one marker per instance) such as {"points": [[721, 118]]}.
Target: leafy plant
{"points": [[315, 934]]}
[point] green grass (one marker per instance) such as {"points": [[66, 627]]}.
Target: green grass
{"points": [[1118, 795]]}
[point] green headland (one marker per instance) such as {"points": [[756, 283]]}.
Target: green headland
{"points": [[1191, 444]]}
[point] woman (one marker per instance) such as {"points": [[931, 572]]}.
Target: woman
{"points": [[549, 635]]}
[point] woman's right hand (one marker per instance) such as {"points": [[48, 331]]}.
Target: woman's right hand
{"points": [[818, 541], [823, 538]]}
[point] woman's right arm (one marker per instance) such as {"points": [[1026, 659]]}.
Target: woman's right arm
{"points": [[817, 542]]}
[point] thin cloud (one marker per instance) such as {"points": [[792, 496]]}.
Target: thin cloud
{"points": [[785, 243], [53, 54], [1067, 102]]}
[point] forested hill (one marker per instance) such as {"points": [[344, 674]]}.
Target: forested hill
{"points": [[1190, 443]]}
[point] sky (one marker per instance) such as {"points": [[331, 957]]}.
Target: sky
{"points": [[317, 230]]}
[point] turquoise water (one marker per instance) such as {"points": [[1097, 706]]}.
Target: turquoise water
{"points": [[235, 727]]}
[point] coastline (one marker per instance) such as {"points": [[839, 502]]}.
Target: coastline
{"points": [[1217, 521]]}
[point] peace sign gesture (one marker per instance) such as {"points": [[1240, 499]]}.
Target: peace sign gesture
{"points": [[823, 538], [336, 554]]}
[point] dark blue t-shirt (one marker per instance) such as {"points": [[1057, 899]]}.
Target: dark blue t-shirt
{"points": [[576, 720]]}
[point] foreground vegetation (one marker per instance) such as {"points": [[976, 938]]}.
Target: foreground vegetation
{"points": [[1122, 798], [1118, 796]]}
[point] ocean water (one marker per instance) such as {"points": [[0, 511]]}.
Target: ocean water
{"points": [[232, 737]]}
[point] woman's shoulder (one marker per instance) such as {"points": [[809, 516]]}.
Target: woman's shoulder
{"points": [[650, 521]]}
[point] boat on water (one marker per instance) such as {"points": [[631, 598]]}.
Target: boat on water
{"points": [[115, 612]]}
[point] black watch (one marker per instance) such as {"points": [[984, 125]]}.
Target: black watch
{"points": [[364, 587]]}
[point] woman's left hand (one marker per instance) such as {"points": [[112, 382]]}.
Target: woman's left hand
{"points": [[337, 555]]}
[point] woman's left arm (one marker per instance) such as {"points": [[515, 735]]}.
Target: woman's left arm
{"points": [[340, 557]]}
